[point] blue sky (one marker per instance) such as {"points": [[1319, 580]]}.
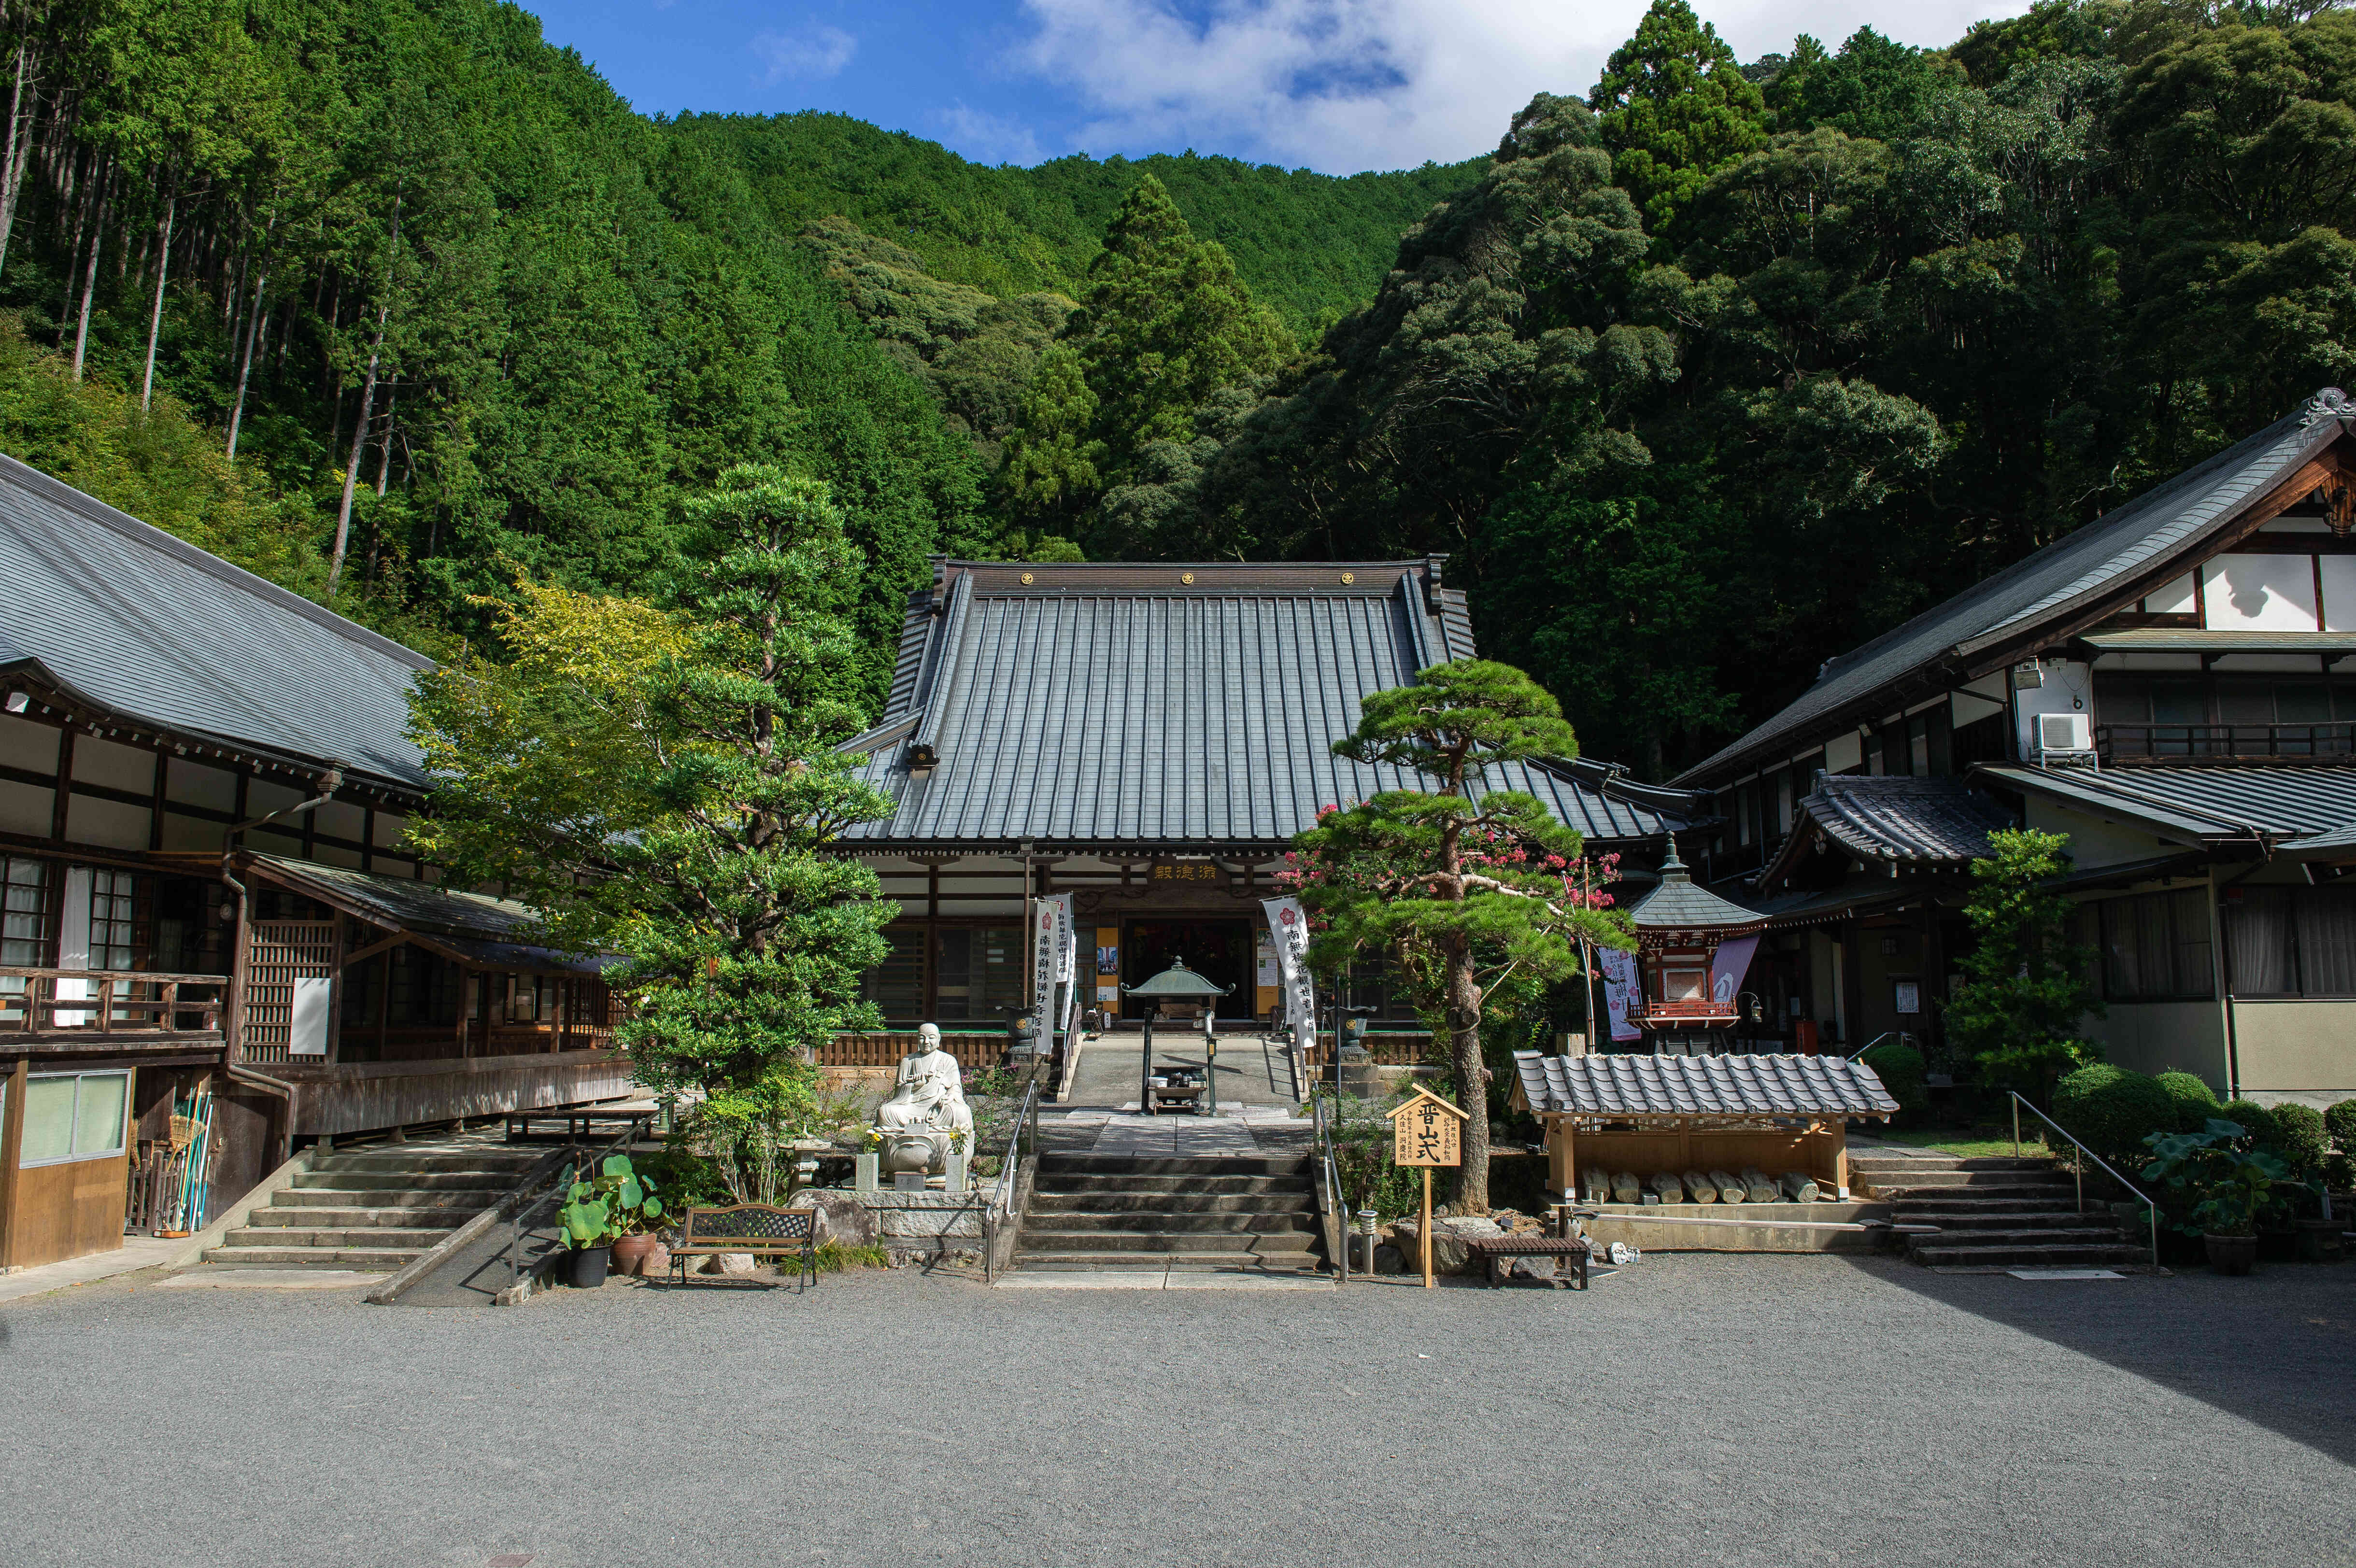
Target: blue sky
{"points": [[1335, 85]]}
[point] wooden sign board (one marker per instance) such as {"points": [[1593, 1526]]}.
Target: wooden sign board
{"points": [[1427, 1131]]}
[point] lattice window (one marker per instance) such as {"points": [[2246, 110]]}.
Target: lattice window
{"points": [[113, 919], [282, 952], [26, 939]]}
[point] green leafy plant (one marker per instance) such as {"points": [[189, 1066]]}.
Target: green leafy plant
{"points": [[2223, 1189], [2023, 996], [2195, 1100], [616, 1202], [2113, 1110], [2300, 1139], [1901, 1071]]}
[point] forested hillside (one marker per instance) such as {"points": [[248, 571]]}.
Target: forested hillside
{"points": [[446, 310], [1714, 370]]}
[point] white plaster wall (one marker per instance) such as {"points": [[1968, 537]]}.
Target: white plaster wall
{"points": [[2165, 1037], [2068, 688], [2295, 1045]]}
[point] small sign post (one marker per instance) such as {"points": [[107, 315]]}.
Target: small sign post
{"points": [[1426, 1131]]}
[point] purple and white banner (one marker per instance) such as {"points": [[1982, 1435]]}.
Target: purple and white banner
{"points": [[1619, 982], [1290, 926], [1727, 967]]}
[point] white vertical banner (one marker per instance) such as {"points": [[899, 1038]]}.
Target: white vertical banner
{"points": [[1067, 958], [1044, 950], [1620, 983], [1290, 926]]}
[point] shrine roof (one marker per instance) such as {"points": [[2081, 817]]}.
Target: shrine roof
{"points": [[1078, 705], [1619, 1084]]}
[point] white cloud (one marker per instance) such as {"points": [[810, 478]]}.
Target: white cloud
{"points": [[988, 138], [811, 53], [1342, 85]]}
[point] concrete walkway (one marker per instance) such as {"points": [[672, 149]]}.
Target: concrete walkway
{"points": [[135, 1254], [1252, 1069]]}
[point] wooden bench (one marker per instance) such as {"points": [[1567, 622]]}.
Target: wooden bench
{"points": [[1498, 1252], [763, 1230]]}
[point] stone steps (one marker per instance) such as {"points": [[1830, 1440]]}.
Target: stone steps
{"points": [[1994, 1214], [379, 1207], [378, 1238], [1129, 1202], [1110, 1211], [1180, 1262], [2015, 1256]]}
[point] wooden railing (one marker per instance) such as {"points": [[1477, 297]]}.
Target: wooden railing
{"points": [[2143, 744], [983, 1047], [1401, 1049], [109, 1002]]}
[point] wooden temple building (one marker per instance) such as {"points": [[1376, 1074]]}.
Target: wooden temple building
{"points": [[2173, 687], [1147, 737], [209, 911]]}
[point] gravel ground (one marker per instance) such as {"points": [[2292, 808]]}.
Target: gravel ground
{"points": [[1696, 1409]]}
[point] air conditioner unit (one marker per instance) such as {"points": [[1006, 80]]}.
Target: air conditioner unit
{"points": [[2065, 733]]}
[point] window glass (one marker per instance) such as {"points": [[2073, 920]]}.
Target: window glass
{"points": [[2122, 699], [2156, 948], [2258, 937], [98, 1114], [2244, 702], [24, 926], [896, 985], [113, 919], [979, 970], [2303, 702], [2178, 702], [2325, 934], [48, 1120], [1918, 746]]}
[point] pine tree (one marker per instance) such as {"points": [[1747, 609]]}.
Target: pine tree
{"points": [[1675, 109], [1463, 895]]}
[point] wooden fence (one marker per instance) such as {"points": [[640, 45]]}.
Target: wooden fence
{"points": [[1400, 1050], [109, 1002], [978, 1049]]}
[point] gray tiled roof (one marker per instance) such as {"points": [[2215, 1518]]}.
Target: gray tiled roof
{"points": [[1117, 703], [1941, 821], [2203, 800], [494, 934], [1679, 903], [1628, 1085], [2161, 523], [141, 623]]}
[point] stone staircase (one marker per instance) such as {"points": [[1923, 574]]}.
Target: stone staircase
{"points": [[378, 1206], [1993, 1214], [1120, 1211]]}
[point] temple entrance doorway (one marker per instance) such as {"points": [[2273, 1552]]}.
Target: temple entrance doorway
{"points": [[1218, 950]]}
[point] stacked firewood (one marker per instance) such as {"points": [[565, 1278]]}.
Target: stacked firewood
{"points": [[1749, 1185]]}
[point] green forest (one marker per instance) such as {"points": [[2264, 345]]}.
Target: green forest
{"points": [[1712, 370]]}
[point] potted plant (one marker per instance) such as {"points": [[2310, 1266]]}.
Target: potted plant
{"points": [[605, 1218], [2228, 1189]]}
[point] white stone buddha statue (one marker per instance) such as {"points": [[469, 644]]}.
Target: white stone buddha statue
{"points": [[926, 1110]]}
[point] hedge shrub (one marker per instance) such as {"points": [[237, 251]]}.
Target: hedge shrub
{"points": [[2254, 1119], [2339, 1121], [2195, 1101], [1901, 1069], [2299, 1139], [2113, 1110]]}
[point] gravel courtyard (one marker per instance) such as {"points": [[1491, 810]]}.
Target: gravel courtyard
{"points": [[1696, 1409]]}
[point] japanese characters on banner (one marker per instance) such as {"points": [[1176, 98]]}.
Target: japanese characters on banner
{"points": [[1620, 983], [1053, 960], [1727, 966], [1290, 926], [1067, 958]]}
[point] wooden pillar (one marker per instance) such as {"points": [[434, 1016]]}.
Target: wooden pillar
{"points": [[1562, 1172], [1934, 967], [12, 1140]]}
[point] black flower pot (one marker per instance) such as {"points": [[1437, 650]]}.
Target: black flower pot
{"points": [[2232, 1254], [588, 1267]]}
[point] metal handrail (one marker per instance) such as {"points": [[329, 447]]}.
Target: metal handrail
{"points": [[1323, 1133], [2149, 1203], [572, 1170], [1900, 1035], [1009, 1165]]}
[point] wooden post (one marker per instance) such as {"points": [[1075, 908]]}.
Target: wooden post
{"points": [[1424, 1229], [12, 1140]]}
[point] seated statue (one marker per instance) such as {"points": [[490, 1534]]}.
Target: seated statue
{"points": [[926, 1110]]}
